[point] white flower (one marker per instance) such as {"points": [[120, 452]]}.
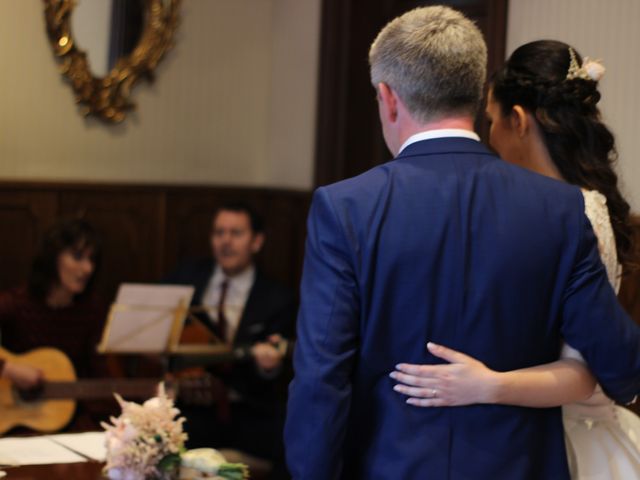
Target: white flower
{"points": [[594, 69], [124, 474], [589, 70], [153, 403]]}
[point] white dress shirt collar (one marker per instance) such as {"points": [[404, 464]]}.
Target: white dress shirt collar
{"points": [[241, 281], [439, 133], [238, 290]]}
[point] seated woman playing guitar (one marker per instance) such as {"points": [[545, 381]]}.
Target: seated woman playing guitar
{"points": [[56, 308]]}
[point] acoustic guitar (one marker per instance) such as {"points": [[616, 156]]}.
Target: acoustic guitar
{"points": [[51, 406]]}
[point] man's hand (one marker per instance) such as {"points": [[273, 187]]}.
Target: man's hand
{"points": [[23, 377], [268, 355]]}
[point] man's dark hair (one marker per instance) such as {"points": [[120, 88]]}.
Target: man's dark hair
{"points": [[257, 224]]}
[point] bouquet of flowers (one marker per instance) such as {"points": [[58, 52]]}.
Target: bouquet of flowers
{"points": [[146, 440]]}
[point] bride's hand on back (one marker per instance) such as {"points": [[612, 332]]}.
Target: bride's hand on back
{"points": [[463, 381]]}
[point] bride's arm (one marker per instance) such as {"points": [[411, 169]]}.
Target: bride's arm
{"points": [[465, 380]]}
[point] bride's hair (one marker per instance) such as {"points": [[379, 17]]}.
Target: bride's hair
{"points": [[581, 146]]}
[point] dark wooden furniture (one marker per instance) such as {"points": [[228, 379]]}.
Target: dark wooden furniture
{"points": [[63, 471]]}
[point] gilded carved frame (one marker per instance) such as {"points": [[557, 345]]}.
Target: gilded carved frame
{"points": [[108, 97]]}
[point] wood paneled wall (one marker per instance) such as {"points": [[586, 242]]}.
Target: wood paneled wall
{"points": [[146, 229]]}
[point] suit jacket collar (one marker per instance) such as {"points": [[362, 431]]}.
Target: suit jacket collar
{"points": [[251, 311], [201, 276]]}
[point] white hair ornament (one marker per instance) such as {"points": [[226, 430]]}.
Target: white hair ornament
{"points": [[589, 70]]}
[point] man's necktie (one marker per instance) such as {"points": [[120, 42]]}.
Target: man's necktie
{"points": [[222, 318]]}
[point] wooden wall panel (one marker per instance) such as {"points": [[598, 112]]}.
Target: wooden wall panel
{"points": [[285, 217], [23, 218], [146, 229], [630, 288]]}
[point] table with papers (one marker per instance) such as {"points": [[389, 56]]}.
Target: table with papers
{"points": [[61, 456]]}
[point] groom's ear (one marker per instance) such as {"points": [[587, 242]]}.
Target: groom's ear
{"points": [[519, 120], [389, 101]]}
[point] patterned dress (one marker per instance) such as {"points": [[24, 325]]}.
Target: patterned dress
{"points": [[603, 439]]}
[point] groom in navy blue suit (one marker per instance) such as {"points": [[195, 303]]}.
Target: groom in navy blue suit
{"points": [[446, 243]]}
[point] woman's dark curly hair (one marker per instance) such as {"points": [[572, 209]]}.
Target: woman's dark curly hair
{"points": [[581, 146], [74, 233]]}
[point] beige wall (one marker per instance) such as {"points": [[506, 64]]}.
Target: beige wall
{"points": [[606, 30], [233, 102]]}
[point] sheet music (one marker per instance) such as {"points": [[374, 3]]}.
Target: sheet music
{"points": [[89, 444], [142, 317], [16, 451]]}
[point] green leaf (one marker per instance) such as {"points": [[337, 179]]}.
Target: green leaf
{"points": [[233, 471], [169, 462]]}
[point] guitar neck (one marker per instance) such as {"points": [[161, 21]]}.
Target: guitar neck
{"points": [[102, 388], [193, 356]]}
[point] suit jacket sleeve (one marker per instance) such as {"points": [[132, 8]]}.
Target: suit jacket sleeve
{"points": [[595, 324], [320, 394]]}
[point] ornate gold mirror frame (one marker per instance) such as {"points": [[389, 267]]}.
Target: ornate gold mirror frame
{"points": [[108, 97]]}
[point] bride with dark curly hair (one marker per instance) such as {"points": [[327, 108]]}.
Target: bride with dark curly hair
{"points": [[542, 106]]}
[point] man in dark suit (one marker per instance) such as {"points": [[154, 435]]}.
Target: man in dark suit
{"points": [[256, 315], [446, 243]]}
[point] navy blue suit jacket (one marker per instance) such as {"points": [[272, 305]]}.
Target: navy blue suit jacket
{"points": [[447, 243]]}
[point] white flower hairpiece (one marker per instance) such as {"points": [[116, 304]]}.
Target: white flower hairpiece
{"points": [[589, 70]]}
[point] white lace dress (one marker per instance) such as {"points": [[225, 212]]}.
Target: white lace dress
{"points": [[603, 439]]}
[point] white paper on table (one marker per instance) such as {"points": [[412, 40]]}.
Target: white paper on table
{"points": [[35, 451], [142, 317], [89, 444]]}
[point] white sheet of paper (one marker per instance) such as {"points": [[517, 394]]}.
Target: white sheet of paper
{"points": [[89, 444], [147, 328], [35, 451]]}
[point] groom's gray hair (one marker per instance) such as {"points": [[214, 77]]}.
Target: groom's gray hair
{"points": [[435, 59]]}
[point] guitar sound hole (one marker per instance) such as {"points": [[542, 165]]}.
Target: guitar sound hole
{"points": [[32, 394]]}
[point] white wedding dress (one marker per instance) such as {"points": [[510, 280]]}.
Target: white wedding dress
{"points": [[603, 439]]}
